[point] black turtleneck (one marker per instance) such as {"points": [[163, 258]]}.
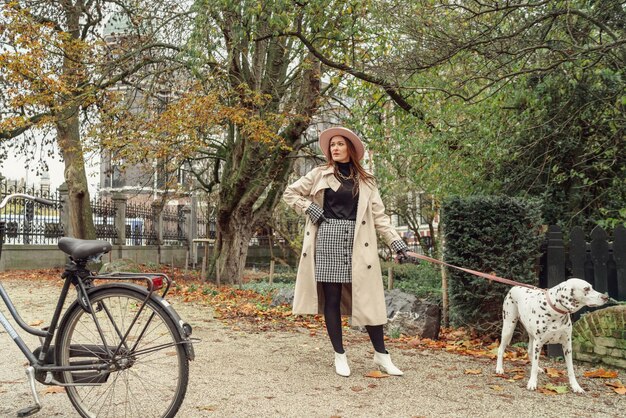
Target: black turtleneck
{"points": [[341, 204]]}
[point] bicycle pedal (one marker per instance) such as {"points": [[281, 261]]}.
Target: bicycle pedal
{"points": [[28, 411]]}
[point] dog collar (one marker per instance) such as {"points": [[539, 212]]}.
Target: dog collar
{"points": [[561, 311]]}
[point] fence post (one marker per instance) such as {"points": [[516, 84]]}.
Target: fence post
{"points": [[193, 217], [119, 201], [157, 213], [188, 231], [555, 260], [578, 252], [619, 255], [188, 213], [556, 256], [600, 257], [64, 215]]}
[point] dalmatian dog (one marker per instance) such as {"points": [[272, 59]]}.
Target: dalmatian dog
{"points": [[545, 314]]}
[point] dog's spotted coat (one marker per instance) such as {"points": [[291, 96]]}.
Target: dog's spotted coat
{"points": [[546, 324]]}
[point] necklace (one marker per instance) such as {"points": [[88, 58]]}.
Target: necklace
{"points": [[350, 177]]}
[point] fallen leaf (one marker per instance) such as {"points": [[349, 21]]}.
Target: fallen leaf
{"points": [[54, 389], [36, 323], [620, 391], [357, 388], [609, 374], [518, 377], [550, 372], [546, 391], [473, 371], [496, 387], [557, 389], [372, 386], [207, 408], [376, 374], [616, 384]]}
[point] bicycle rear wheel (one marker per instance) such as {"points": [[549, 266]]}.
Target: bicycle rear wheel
{"points": [[150, 370]]}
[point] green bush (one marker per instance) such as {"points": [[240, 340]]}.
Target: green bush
{"points": [[492, 234], [289, 277], [422, 280]]}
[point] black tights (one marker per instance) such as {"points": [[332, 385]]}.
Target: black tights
{"points": [[332, 315]]}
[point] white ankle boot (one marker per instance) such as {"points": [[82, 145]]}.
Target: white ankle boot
{"points": [[383, 361], [341, 365]]}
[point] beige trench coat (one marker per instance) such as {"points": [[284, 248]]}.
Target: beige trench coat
{"points": [[364, 300]]}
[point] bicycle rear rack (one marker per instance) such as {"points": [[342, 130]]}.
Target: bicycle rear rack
{"points": [[154, 281]]}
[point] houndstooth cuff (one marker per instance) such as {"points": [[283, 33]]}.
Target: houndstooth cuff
{"points": [[314, 212], [398, 245]]}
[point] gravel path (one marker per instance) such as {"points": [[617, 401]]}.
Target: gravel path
{"points": [[241, 372]]}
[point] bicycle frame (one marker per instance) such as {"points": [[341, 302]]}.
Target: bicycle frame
{"points": [[72, 275], [46, 335]]}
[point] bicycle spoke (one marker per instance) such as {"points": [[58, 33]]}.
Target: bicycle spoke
{"points": [[151, 377]]}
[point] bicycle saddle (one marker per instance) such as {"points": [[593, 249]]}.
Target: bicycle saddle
{"points": [[80, 249]]}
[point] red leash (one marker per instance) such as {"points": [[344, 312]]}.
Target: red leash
{"points": [[488, 277], [474, 272]]}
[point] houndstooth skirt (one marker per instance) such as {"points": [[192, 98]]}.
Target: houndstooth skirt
{"points": [[333, 251]]}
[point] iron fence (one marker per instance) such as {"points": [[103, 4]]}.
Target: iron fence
{"points": [[140, 225], [206, 227], [104, 212], [28, 222], [174, 226]]}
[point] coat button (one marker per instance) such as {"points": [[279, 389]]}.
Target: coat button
{"points": [[366, 244], [308, 233], [363, 223], [369, 267], [303, 254]]}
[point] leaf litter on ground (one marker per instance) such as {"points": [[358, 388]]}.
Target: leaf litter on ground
{"points": [[252, 311]]}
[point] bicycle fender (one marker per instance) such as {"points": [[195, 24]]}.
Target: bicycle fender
{"points": [[183, 328]]}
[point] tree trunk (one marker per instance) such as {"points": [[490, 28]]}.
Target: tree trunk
{"points": [[68, 138], [255, 175], [68, 133], [232, 242]]}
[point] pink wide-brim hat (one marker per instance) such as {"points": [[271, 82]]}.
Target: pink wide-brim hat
{"points": [[329, 133]]}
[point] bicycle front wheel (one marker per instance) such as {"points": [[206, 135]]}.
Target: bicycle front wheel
{"points": [[148, 373]]}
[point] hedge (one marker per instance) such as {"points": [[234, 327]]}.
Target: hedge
{"points": [[492, 234]]}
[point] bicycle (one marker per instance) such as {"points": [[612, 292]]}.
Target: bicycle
{"points": [[119, 349]]}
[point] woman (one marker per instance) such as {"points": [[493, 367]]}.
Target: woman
{"points": [[339, 271]]}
